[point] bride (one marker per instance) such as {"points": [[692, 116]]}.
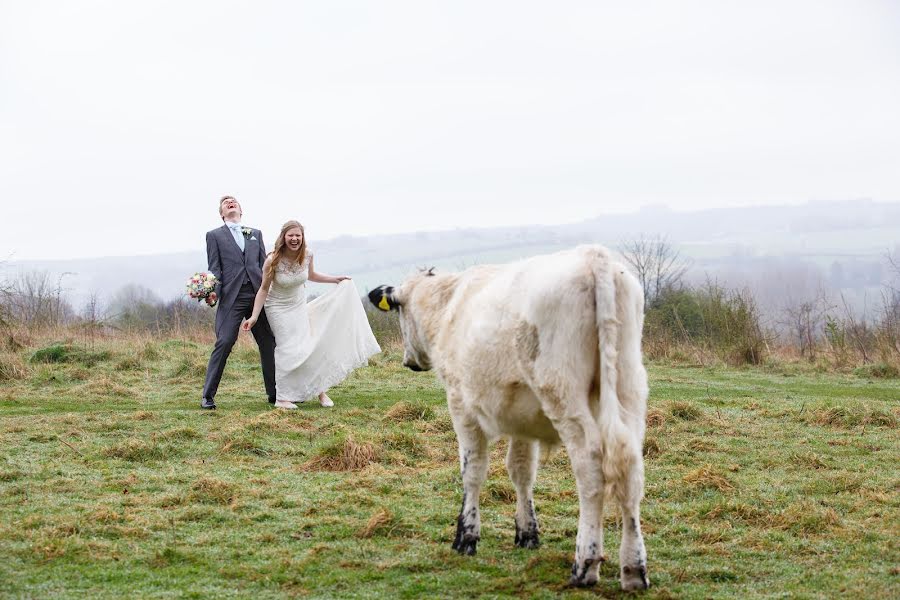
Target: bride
{"points": [[316, 344]]}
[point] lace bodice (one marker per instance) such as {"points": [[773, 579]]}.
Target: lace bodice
{"points": [[289, 280]]}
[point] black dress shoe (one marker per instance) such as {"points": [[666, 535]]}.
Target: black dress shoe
{"points": [[207, 403], [271, 400]]}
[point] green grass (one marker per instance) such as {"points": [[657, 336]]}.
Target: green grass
{"points": [[113, 483]]}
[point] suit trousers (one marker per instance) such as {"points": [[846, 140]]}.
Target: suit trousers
{"points": [[226, 336]]}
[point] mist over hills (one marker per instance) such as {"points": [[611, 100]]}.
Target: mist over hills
{"points": [[781, 252]]}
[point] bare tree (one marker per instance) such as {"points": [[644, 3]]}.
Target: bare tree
{"points": [[92, 316], [893, 260], [36, 300], [804, 320], [5, 301], [658, 265], [858, 330]]}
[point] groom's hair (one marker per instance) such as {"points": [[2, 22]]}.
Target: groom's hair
{"points": [[223, 199]]}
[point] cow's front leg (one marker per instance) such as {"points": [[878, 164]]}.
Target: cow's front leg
{"points": [[521, 462], [473, 459]]}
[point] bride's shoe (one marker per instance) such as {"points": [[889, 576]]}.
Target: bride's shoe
{"points": [[284, 404], [326, 401]]}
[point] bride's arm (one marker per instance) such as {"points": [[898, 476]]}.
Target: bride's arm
{"points": [[322, 277], [261, 296]]}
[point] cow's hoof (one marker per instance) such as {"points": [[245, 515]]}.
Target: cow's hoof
{"points": [[527, 538], [466, 545], [583, 575], [635, 578]]}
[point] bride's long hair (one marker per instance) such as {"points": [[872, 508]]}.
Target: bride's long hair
{"points": [[278, 253]]}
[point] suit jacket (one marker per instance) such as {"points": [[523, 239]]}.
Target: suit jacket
{"points": [[231, 266]]}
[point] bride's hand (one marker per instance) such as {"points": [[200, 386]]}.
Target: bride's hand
{"points": [[341, 278], [249, 323]]}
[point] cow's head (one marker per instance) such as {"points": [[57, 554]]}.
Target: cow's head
{"points": [[413, 312]]}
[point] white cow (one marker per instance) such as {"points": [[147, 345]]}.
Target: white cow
{"points": [[542, 351]]}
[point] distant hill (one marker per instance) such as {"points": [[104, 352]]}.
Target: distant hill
{"points": [[842, 241]]}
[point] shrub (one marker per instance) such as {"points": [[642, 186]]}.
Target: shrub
{"points": [[69, 353], [385, 325], [12, 367], [879, 371], [724, 322], [55, 353]]}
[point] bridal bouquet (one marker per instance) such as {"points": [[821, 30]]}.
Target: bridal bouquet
{"points": [[201, 287]]}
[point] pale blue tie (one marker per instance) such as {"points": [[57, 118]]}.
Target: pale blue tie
{"points": [[238, 234]]}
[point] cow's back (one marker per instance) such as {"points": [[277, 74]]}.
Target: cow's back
{"points": [[527, 323]]}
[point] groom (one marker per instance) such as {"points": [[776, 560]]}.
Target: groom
{"points": [[236, 255]]}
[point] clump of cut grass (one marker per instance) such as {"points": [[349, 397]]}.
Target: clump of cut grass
{"points": [[501, 491], [809, 460], [655, 418], [379, 522], [106, 386], [880, 418], [279, 421], [12, 368], [136, 450], [407, 411], [178, 433], [737, 511], [684, 411], [807, 517], [707, 477], [343, 455], [11, 475], [442, 424], [210, 490], [241, 443], [189, 366], [701, 445], [105, 514], [850, 416], [408, 445], [651, 447]]}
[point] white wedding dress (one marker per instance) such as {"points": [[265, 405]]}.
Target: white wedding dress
{"points": [[317, 344]]}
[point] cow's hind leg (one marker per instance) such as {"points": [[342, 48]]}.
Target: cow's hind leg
{"points": [[632, 554], [473, 459], [521, 462], [581, 436], [585, 458]]}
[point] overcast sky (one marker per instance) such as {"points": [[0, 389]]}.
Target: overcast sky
{"points": [[121, 123]]}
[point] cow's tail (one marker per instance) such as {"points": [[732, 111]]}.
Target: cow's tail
{"points": [[622, 379]]}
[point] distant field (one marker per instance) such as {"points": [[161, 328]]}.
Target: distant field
{"points": [[760, 484]]}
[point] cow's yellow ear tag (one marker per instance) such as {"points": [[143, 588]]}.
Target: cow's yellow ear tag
{"points": [[383, 305]]}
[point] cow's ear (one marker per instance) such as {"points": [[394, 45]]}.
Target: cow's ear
{"points": [[383, 297]]}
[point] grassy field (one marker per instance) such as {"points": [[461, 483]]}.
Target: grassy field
{"points": [[760, 483]]}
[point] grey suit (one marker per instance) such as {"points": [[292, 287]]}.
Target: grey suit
{"points": [[240, 275]]}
